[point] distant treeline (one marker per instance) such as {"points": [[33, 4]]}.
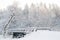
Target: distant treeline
{"points": [[33, 16]]}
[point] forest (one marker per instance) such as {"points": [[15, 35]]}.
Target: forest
{"points": [[33, 16]]}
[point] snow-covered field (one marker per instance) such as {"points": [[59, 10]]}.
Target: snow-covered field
{"points": [[39, 35]]}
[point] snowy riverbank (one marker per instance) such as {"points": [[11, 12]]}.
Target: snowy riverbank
{"points": [[39, 35]]}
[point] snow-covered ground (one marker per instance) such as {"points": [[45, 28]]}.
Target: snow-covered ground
{"points": [[39, 35]]}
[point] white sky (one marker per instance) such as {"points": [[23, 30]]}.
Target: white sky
{"points": [[5, 3]]}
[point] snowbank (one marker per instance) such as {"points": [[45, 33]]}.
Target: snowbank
{"points": [[39, 35], [43, 35]]}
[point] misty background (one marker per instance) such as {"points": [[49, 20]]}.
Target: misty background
{"points": [[33, 16]]}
